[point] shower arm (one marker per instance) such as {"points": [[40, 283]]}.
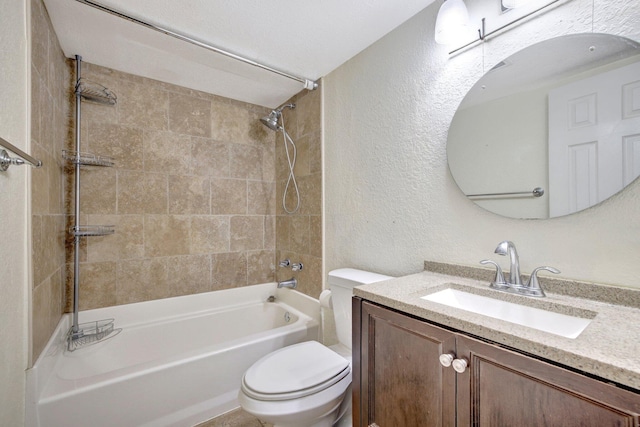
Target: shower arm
{"points": [[307, 83]]}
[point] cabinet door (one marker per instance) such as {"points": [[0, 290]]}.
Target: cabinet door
{"points": [[504, 388], [401, 379]]}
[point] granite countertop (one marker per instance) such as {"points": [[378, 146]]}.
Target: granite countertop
{"points": [[609, 347]]}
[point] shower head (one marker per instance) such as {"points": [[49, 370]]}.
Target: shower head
{"points": [[271, 121]]}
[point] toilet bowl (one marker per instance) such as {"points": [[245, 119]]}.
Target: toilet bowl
{"points": [[308, 384]]}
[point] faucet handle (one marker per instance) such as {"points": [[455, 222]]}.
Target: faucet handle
{"points": [[533, 285], [285, 263], [499, 281]]}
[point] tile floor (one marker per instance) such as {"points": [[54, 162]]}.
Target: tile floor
{"points": [[236, 418]]}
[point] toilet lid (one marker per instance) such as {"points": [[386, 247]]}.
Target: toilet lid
{"points": [[295, 371]]}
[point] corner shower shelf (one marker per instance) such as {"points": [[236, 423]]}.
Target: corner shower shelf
{"points": [[87, 159], [92, 230], [95, 92], [91, 333]]}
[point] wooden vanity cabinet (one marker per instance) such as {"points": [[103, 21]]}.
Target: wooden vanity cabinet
{"points": [[398, 381]]}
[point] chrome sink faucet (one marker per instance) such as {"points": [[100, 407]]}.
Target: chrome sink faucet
{"points": [[508, 248], [514, 284]]}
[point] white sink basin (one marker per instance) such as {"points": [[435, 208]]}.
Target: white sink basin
{"points": [[543, 320]]}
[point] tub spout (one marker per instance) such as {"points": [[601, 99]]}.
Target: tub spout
{"points": [[291, 283]]}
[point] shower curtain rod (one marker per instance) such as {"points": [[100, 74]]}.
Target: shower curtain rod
{"points": [[307, 83]]}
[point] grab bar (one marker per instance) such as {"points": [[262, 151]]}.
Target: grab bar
{"points": [[537, 192], [6, 161]]}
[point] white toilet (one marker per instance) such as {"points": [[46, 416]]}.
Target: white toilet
{"points": [[308, 384]]}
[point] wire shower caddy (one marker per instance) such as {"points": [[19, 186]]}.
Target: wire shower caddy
{"points": [[84, 334]]}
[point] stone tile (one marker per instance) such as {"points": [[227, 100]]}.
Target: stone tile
{"points": [[228, 270], [40, 38], [303, 157], [127, 242], [40, 182], [122, 143], [98, 191], [261, 267], [166, 152], [315, 151], [166, 235], [261, 197], [141, 105], [228, 196], [141, 280], [209, 158], [308, 112], [189, 195], [270, 232], [41, 315], [189, 274], [246, 162], [229, 123], [189, 115], [97, 285], [299, 239], [37, 88], [247, 233], [268, 161], [45, 238], [310, 277], [283, 232], [56, 303], [236, 418], [311, 194], [140, 193], [315, 236], [55, 184], [209, 234]]}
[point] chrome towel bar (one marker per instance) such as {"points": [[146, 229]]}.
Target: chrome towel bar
{"points": [[536, 192], [6, 161]]}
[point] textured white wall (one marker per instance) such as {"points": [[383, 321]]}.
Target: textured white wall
{"points": [[13, 214], [390, 202]]}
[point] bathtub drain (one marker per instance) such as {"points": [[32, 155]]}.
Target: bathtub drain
{"points": [[287, 317]]}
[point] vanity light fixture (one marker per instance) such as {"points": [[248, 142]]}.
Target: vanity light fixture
{"points": [[452, 23], [482, 32]]}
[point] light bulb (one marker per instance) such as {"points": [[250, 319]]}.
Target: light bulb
{"points": [[452, 23], [512, 4]]}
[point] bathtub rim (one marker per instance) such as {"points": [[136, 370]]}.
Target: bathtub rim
{"points": [[38, 375]]}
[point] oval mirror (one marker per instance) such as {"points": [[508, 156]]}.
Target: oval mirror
{"points": [[551, 130]]}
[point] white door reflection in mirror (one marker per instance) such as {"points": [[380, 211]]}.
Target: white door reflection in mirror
{"points": [[594, 138]]}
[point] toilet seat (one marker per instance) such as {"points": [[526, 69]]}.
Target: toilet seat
{"points": [[295, 371]]}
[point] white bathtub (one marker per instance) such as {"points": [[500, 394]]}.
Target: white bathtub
{"points": [[176, 362]]}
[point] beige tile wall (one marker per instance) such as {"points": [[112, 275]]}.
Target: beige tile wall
{"points": [[299, 235], [192, 194], [50, 131], [195, 195]]}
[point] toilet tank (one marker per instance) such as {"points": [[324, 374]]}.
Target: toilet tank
{"points": [[341, 283]]}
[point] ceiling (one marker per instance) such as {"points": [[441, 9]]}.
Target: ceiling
{"points": [[304, 38]]}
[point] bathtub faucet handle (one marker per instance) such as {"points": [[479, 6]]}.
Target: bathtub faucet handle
{"points": [[296, 267], [285, 263]]}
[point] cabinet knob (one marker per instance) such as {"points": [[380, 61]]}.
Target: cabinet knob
{"points": [[459, 365], [446, 359]]}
